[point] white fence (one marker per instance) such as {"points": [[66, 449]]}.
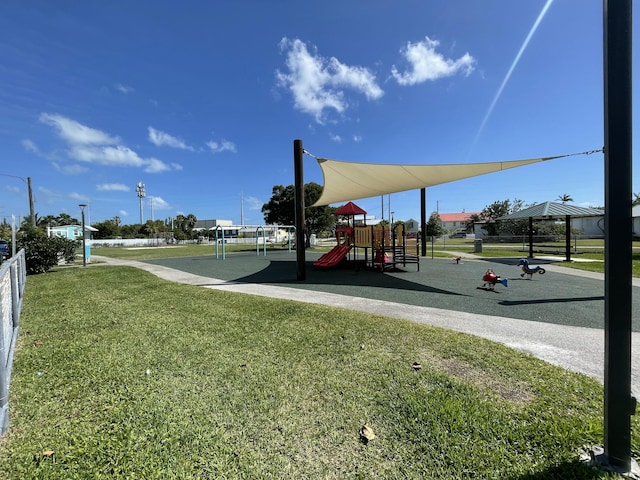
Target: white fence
{"points": [[13, 277]]}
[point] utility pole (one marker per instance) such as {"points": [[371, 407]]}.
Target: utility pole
{"points": [[32, 212], [31, 207]]}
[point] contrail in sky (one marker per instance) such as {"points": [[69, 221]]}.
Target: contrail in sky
{"points": [[513, 66]]}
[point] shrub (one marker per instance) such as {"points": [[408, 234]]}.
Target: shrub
{"points": [[42, 252]]}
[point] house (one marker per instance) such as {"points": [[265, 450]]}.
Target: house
{"points": [[411, 226], [452, 222], [211, 224], [635, 214], [71, 232]]}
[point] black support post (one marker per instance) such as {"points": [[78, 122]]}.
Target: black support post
{"points": [[423, 221], [567, 238], [530, 237], [618, 404], [301, 244]]}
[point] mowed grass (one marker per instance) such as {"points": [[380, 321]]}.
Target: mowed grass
{"points": [[119, 374]]}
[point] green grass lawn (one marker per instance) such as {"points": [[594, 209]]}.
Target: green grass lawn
{"points": [[119, 374]]}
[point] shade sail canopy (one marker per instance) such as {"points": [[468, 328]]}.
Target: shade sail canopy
{"points": [[350, 208], [352, 180], [552, 210]]}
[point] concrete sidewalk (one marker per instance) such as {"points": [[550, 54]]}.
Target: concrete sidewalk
{"points": [[578, 349]]}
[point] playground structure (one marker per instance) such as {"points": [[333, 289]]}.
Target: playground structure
{"points": [[530, 269], [259, 236], [490, 279], [388, 245]]}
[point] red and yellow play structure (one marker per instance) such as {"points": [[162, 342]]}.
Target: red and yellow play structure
{"points": [[388, 246]]}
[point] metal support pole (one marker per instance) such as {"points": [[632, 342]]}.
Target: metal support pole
{"points": [[423, 220], [567, 238], [298, 153], [530, 237], [84, 238], [618, 403]]}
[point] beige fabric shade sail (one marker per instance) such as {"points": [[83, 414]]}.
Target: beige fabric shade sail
{"points": [[351, 180]]}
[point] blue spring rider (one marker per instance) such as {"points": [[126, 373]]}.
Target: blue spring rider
{"points": [[529, 269]]}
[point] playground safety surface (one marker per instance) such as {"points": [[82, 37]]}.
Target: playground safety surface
{"points": [[558, 316], [558, 298]]}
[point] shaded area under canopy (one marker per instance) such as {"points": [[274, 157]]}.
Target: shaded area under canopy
{"points": [[550, 211]]}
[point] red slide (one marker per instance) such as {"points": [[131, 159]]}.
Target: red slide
{"points": [[333, 257]]}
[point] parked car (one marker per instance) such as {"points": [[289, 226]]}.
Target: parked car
{"points": [[4, 249], [459, 235]]}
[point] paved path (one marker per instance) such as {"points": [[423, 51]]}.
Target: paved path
{"points": [[578, 349]]}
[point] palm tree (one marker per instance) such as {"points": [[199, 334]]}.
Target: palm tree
{"points": [[565, 198]]}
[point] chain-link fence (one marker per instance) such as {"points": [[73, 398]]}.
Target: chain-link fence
{"points": [[13, 276]]}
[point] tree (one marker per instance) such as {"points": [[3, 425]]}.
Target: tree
{"points": [[48, 221], [183, 226], [636, 199], [107, 229], [565, 198], [468, 227], [56, 221], [434, 225], [5, 230], [281, 208], [66, 219], [500, 209], [131, 231]]}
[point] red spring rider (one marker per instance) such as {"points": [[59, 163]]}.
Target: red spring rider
{"points": [[490, 279]]}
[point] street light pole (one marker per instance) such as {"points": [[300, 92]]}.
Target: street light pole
{"points": [[84, 238]]}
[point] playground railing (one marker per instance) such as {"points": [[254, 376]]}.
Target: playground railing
{"points": [[363, 237]]}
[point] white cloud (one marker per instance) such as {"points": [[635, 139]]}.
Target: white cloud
{"points": [[96, 147], [357, 138], [160, 138], [336, 138], [73, 169], [222, 146], [426, 64], [30, 146], [79, 197], [252, 203], [76, 133], [153, 165], [112, 187], [158, 203], [319, 84], [118, 156], [123, 213], [124, 88]]}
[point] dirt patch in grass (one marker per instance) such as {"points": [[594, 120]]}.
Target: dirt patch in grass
{"points": [[511, 392]]}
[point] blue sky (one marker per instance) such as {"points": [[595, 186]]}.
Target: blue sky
{"points": [[201, 101]]}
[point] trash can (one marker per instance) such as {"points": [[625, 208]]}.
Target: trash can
{"points": [[87, 252], [477, 245]]}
